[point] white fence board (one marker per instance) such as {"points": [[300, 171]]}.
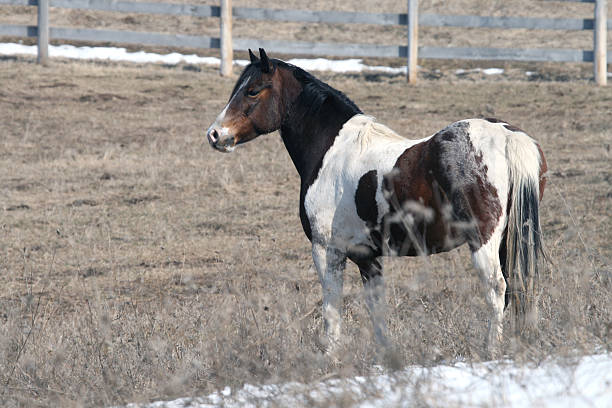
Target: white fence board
{"points": [[330, 17], [506, 54], [19, 2], [435, 20], [12, 30], [308, 16], [319, 48], [138, 7], [133, 37]]}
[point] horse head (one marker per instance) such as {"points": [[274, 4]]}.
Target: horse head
{"points": [[256, 105]]}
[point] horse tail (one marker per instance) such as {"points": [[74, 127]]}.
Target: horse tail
{"points": [[523, 241]]}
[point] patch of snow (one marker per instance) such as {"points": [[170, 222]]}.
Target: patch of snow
{"points": [[353, 65], [121, 54], [586, 382], [107, 53], [388, 70], [17, 49], [486, 71], [322, 64], [493, 71], [340, 66]]}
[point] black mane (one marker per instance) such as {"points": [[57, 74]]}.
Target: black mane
{"points": [[316, 92], [318, 107]]}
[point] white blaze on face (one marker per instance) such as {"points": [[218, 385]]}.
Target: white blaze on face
{"points": [[224, 131], [225, 138]]}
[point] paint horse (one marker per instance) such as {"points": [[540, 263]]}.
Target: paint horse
{"points": [[368, 192]]}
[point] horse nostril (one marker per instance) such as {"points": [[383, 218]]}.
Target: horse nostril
{"points": [[213, 136]]}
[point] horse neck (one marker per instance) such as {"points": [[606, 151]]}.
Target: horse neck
{"points": [[309, 130]]}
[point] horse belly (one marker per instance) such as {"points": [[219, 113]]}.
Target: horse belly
{"points": [[415, 236]]}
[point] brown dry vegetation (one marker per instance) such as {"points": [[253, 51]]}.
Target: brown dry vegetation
{"points": [[137, 263]]}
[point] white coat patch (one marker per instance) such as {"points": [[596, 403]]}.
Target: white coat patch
{"points": [[361, 146]]}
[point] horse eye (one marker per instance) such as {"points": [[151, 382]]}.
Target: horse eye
{"points": [[253, 92]]}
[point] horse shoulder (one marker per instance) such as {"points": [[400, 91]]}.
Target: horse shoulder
{"points": [[346, 197]]}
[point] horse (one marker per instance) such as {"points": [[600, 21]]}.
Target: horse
{"points": [[367, 192]]}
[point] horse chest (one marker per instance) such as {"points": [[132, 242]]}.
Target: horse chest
{"points": [[330, 206]]}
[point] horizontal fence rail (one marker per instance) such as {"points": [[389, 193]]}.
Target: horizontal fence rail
{"points": [[296, 47], [134, 37], [508, 54], [433, 20], [118, 36], [127, 7], [331, 17]]}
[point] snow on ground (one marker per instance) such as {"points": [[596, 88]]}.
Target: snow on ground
{"points": [[487, 71], [584, 382], [121, 54]]}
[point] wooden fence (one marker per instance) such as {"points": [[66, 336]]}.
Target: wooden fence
{"points": [[411, 51]]}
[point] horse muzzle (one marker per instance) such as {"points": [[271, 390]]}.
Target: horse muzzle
{"points": [[220, 139]]}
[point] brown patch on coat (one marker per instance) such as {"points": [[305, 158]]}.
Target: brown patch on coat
{"points": [[410, 181], [484, 203], [432, 175], [473, 199]]}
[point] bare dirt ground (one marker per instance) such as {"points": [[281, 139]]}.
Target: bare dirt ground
{"points": [[136, 263]]}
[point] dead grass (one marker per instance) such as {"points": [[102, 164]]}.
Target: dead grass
{"points": [[137, 264]]}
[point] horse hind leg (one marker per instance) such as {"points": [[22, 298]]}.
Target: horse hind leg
{"points": [[374, 290], [486, 261]]}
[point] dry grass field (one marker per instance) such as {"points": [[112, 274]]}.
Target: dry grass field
{"points": [[136, 263]]}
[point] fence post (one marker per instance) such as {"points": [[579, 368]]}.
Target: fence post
{"points": [[226, 38], [413, 40], [600, 32], [43, 32]]}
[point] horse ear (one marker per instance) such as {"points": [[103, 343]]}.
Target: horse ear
{"points": [[265, 63], [252, 56]]}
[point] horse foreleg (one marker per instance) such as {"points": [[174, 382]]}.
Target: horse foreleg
{"points": [[330, 264], [486, 261], [374, 289]]}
